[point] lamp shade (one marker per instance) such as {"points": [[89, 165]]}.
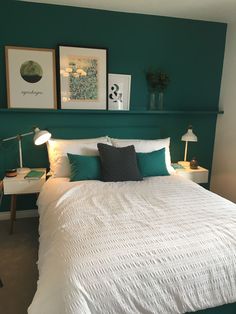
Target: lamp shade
{"points": [[41, 136], [189, 136]]}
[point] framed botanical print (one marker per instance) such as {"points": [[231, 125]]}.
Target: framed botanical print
{"points": [[83, 77], [31, 80]]}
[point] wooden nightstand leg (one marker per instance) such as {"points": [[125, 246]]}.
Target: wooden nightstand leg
{"points": [[13, 212]]}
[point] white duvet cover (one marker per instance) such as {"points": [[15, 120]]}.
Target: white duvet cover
{"points": [[164, 245]]}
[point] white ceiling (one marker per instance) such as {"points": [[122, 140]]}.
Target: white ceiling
{"points": [[211, 10]]}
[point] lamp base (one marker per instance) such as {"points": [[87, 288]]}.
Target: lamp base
{"points": [[23, 170], [184, 164]]}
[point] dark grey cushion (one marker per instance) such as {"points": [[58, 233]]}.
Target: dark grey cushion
{"points": [[118, 164]]}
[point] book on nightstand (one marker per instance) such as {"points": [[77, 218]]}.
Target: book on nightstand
{"points": [[34, 175], [177, 166]]}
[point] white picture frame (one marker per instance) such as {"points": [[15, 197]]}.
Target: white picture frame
{"points": [[31, 78], [119, 86], [83, 77]]}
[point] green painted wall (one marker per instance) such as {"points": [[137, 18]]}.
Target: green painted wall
{"points": [[190, 51]]}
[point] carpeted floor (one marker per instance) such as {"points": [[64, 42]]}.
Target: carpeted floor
{"points": [[18, 268]]}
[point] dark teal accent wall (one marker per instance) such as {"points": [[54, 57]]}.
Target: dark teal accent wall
{"points": [[190, 51]]}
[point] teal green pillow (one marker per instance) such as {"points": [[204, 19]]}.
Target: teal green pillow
{"points": [[84, 167], [152, 164]]}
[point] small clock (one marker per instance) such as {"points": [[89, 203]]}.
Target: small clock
{"points": [[193, 163], [11, 173]]}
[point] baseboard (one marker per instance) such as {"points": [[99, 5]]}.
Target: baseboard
{"points": [[20, 214]]}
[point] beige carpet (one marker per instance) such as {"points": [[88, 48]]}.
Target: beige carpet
{"points": [[18, 269]]}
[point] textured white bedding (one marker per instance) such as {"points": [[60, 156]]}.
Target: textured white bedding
{"points": [[164, 245]]}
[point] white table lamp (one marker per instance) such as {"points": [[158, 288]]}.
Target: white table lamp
{"points": [[187, 137], [40, 137]]}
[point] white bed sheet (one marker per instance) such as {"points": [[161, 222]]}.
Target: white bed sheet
{"points": [[163, 245]]}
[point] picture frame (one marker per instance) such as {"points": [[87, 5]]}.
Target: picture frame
{"points": [[119, 86], [83, 77], [31, 77]]}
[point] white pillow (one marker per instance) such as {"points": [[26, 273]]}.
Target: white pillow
{"points": [[147, 146], [58, 149]]}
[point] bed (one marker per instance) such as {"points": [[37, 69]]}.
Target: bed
{"points": [[161, 245]]}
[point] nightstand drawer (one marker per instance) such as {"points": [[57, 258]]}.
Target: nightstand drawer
{"points": [[22, 186], [199, 175]]}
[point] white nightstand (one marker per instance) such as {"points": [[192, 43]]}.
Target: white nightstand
{"points": [[18, 185], [199, 175]]}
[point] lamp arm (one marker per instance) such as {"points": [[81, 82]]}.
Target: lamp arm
{"points": [[186, 151], [17, 136], [26, 134], [20, 146], [20, 151], [9, 138], [44, 135]]}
